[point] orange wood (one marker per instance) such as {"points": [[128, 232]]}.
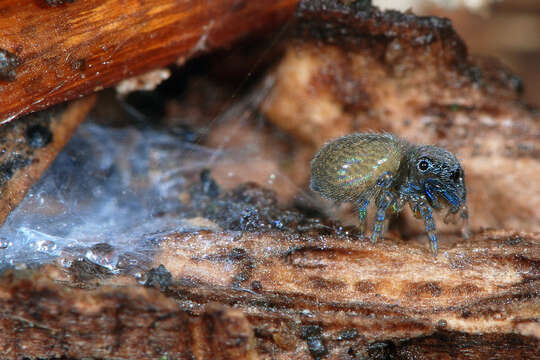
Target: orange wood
{"points": [[79, 47]]}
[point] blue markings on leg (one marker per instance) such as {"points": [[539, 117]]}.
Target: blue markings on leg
{"points": [[449, 192], [362, 214], [427, 214], [398, 204], [385, 200], [431, 196], [452, 198]]}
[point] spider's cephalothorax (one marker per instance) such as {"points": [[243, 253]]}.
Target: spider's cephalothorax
{"points": [[390, 171]]}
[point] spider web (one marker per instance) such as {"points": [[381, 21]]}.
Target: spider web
{"points": [[122, 187]]}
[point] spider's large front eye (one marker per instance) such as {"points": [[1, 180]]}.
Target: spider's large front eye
{"points": [[423, 164]]}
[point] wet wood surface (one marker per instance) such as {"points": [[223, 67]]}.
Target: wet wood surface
{"points": [[52, 51]]}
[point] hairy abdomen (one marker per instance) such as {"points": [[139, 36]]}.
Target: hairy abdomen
{"points": [[346, 169]]}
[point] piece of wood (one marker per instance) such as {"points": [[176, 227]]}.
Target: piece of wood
{"points": [[317, 295], [64, 52], [111, 322], [311, 288]]}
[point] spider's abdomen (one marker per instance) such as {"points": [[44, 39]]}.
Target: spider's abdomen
{"points": [[346, 169]]}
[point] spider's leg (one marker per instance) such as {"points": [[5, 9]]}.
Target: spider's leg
{"points": [[384, 200], [431, 195], [427, 214], [385, 180], [398, 204], [416, 211], [465, 229], [362, 214]]}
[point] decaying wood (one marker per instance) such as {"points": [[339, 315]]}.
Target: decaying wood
{"points": [[391, 290], [57, 53], [303, 288], [31, 144]]}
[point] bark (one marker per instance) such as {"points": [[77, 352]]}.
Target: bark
{"points": [[52, 51]]}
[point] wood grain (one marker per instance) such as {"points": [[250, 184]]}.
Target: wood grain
{"points": [[80, 47], [486, 284]]}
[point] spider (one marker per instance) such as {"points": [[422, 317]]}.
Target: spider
{"points": [[359, 168]]}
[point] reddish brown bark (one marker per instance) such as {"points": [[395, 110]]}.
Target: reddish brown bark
{"points": [[63, 52]]}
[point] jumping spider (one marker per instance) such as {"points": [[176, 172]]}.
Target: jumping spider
{"points": [[360, 167]]}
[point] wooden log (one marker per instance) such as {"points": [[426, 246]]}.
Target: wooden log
{"points": [[323, 295], [49, 54]]}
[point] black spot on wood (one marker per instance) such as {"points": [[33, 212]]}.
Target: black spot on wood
{"points": [[159, 276], [78, 64], [237, 254], [256, 285], [8, 168], [315, 342], [58, 2], [383, 350], [38, 136]]}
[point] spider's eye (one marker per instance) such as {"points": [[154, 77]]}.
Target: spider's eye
{"points": [[423, 164], [456, 175]]}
